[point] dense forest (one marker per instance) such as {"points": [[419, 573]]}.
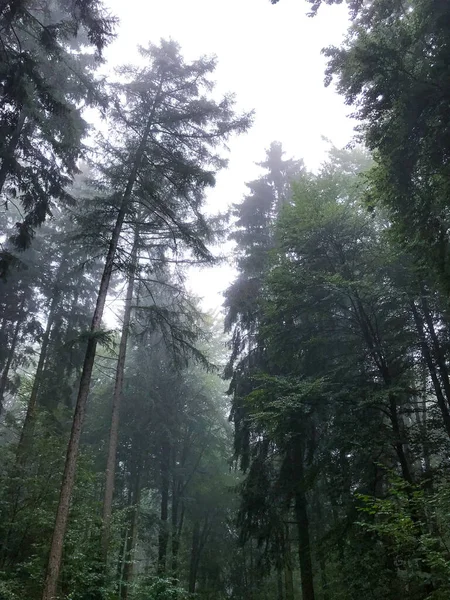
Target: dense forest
{"points": [[294, 446]]}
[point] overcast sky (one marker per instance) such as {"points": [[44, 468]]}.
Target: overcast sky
{"points": [[269, 56]]}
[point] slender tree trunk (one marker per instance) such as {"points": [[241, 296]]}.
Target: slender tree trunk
{"points": [[193, 565], [176, 543], [27, 428], [132, 536], [375, 348], [398, 441], [301, 515], [289, 582], [422, 419], [71, 367], [174, 532], [62, 514], [288, 573], [3, 335], [323, 573], [123, 545], [443, 407], [320, 550], [163, 530], [26, 433], [438, 352], [11, 352], [176, 529], [280, 594], [117, 397]]}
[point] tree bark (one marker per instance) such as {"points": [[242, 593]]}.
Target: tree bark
{"points": [[117, 397]]}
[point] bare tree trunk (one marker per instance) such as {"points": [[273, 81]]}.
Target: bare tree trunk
{"points": [[117, 397], [62, 514]]}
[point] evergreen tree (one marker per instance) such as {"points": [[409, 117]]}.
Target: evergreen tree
{"points": [[47, 76], [167, 136]]}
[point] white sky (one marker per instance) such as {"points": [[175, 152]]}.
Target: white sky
{"points": [[269, 56]]}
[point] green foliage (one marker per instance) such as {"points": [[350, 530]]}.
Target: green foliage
{"points": [[330, 397], [157, 588], [46, 75], [411, 525], [391, 68]]}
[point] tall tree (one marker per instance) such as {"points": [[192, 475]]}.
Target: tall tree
{"points": [[392, 68], [168, 130]]}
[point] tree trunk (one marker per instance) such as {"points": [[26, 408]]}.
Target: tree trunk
{"points": [[317, 507], [288, 573], [177, 525], [193, 565], [301, 515], [176, 544], [280, 594], [443, 407], [124, 544], [375, 348], [132, 536], [3, 339], [439, 354], [27, 428], [62, 514], [398, 440], [26, 433], [117, 397], [163, 537], [12, 350]]}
